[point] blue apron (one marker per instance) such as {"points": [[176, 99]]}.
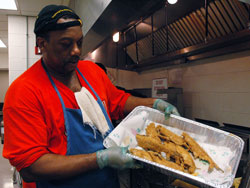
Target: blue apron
{"points": [[82, 140]]}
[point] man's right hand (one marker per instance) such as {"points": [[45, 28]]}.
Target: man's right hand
{"points": [[115, 157]]}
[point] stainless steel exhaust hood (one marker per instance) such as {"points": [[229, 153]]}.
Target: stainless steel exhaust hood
{"points": [[102, 18], [155, 34]]}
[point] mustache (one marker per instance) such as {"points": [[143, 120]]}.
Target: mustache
{"points": [[73, 59]]}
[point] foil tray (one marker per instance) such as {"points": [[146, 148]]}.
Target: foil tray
{"points": [[202, 134]]}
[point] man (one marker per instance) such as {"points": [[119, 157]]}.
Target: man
{"points": [[58, 112]]}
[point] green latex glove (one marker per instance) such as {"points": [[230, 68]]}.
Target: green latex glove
{"points": [[115, 157], [165, 107]]}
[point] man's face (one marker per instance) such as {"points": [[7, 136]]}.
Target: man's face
{"points": [[62, 50]]}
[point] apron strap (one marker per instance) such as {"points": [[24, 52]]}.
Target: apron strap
{"points": [[58, 93]]}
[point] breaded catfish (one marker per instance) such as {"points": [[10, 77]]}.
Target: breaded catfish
{"points": [[141, 153], [149, 143], [151, 131], [156, 157], [176, 152], [169, 135], [199, 152], [187, 162]]}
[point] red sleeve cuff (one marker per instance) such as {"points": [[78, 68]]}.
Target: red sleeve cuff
{"points": [[27, 159]]}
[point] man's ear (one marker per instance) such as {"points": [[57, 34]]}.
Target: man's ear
{"points": [[41, 43]]}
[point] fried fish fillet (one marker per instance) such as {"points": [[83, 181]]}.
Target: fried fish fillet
{"points": [[156, 157], [199, 152], [151, 131], [179, 154], [188, 162], [141, 153], [149, 143], [169, 135]]}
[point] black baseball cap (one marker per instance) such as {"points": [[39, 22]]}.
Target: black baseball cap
{"points": [[50, 14]]}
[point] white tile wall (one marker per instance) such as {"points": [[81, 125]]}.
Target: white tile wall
{"points": [[214, 89], [33, 60], [19, 64], [122, 78], [236, 102], [13, 74], [4, 60], [223, 87], [4, 84], [32, 42], [227, 117], [16, 51], [20, 29], [240, 119], [31, 48], [31, 21], [17, 24], [17, 39]]}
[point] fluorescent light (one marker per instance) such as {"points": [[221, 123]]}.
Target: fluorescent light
{"points": [[8, 4], [2, 45], [172, 1], [93, 54], [116, 37]]}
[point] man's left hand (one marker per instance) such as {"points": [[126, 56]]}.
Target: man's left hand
{"points": [[165, 107]]}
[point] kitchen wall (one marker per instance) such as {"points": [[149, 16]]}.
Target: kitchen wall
{"points": [[21, 51], [216, 89], [4, 75], [219, 90], [21, 39], [4, 60]]}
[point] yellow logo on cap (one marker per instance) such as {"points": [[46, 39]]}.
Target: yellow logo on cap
{"points": [[80, 21], [59, 11]]}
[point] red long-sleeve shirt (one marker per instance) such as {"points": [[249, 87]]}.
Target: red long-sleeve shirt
{"points": [[33, 115]]}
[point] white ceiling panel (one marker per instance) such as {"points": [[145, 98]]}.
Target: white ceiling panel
{"points": [[25, 8]]}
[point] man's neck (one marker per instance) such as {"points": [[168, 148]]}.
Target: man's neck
{"points": [[69, 79]]}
